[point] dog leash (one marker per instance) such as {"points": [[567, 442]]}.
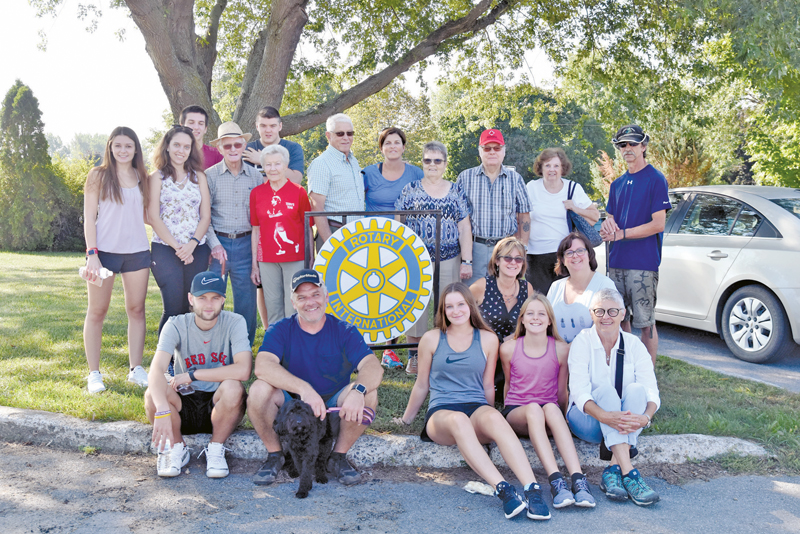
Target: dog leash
{"points": [[368, 417]]}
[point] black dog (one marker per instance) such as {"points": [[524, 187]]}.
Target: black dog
{"points": [[306, 441]]}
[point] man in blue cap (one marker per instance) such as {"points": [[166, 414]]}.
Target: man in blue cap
{"points": [[637, 212], [212, 357], [311, 356]]}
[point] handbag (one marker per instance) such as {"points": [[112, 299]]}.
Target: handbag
{"points": [[576, 222]]}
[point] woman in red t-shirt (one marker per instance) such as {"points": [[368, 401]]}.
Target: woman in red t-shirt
{"points": [[277, 210]]}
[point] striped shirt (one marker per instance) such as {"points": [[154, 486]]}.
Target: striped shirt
{"points": [[337, 177], [230, 199], [494, 206]]}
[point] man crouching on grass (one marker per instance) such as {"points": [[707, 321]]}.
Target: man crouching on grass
{"points": [[212, 357]]}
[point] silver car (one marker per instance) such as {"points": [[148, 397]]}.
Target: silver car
{"points": [[731, 265]]}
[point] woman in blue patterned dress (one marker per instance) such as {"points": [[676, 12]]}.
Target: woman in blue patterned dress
{"points": [[433, 192]]}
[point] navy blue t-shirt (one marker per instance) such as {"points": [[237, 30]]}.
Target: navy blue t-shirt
{"points": [[632, 200], [296, 157], [325, 359]]}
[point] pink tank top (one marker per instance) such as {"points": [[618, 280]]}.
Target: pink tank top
{"points": [[533, 380], [120, 227]]}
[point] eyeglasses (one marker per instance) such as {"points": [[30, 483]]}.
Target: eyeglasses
{"points": [[578, 252], [492, 148], [436, 161], [228, 146], [351, 133], [512, 259], [612, 312], [629, 143]]}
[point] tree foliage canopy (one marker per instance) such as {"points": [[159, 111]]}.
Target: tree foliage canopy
{"points": [[247, 50]]}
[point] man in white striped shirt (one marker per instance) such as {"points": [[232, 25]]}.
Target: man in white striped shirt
{"points": [[335, 182], [498, 201]]}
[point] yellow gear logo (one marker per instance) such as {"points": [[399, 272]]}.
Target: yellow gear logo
{"points": [[379, 276]]}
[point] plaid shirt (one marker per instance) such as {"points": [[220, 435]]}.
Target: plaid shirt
{"points": [[337, 177], [493, 207], [230, 199]]}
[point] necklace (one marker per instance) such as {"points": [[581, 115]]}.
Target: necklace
{"points": [[182, 182], [510, 297]]}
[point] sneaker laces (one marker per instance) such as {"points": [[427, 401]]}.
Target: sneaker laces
{"points": [[559, 485], [582, 485], [214, 454]]}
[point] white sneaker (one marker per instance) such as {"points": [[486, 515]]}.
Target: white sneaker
{"points": [[216, 466], [138, 376], [95, 382], [171, 461]]}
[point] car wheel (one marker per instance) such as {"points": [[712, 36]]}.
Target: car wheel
{"points": [[754, 325]]}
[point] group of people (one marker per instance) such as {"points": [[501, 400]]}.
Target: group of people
{"points": [[236, 209]]}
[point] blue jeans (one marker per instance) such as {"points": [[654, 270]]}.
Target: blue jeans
{"points": [[480, 262], [587, 428], [239, 266]]}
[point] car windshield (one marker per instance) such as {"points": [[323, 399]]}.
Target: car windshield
{"points": [[792, 205]]}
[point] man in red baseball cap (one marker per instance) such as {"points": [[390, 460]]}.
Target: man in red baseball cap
{"points": [[498, 201]]}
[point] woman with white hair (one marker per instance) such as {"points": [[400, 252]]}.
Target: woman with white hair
{"points": [[277, 215], [613, 395]]}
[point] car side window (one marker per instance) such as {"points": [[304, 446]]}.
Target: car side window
{"points": [[711, 215], [747, 223], [675, 199]]}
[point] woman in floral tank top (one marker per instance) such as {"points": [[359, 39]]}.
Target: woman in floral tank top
{"points": [[179, 212]]}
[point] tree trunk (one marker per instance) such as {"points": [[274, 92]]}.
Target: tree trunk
{"points": [[185, 62]]}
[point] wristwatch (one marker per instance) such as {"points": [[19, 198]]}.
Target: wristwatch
{"points": [[361, 388], [191, 375]]}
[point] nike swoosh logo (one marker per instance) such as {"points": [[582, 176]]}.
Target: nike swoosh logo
{"points": [[448, 360], [206, 281], [209, 341]]}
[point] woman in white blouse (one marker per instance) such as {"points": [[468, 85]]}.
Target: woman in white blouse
{"points": [[549, 205], [604, 409]]}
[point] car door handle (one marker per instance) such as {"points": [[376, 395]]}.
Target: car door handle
{"points": [[716, 255]]}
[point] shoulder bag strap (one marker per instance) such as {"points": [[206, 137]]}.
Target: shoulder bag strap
{"points": [[620, 363]]}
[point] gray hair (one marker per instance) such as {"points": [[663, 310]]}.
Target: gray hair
{"points": [[275, 149], [606, 294], [330, 124], [435, 146]]}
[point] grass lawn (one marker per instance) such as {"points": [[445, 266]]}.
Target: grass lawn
{"points": [[42, 366]]}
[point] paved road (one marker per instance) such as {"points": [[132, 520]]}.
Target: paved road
{"points": [[48, 491], [709, 351]]}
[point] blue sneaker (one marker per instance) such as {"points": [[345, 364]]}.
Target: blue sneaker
{"points": [[537, 509], [638, 490], [390, 360], [512, 502], [583, 495], [611, 483], [562, 496]]}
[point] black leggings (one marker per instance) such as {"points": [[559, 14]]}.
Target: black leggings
{"points": [[174, 278]]}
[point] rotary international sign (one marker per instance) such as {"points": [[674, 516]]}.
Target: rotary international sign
{"points": [[379, 276]]}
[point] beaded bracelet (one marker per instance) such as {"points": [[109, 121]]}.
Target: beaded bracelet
{"points": [[165, 412]]}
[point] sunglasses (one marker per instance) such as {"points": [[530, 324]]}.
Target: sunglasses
{"points": [[428, 161], [351, 133], [629, 143], [512, 259], [612, 312], [578, 252], [228, 146], [492, 148]]}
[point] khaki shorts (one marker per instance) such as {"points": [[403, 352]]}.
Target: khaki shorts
{"points": [[638, 289]]}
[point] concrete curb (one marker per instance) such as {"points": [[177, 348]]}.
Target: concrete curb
{"points": [[65, 432]]}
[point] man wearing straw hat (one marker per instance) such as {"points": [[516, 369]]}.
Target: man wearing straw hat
{"points": [[230, 183]]}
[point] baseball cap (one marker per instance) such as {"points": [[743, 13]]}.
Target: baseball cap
{"points": [[631, 132], [491, 136], [306, 275], [208, 281]]}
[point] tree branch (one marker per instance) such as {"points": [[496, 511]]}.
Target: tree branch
{"points": [[472, 22]]}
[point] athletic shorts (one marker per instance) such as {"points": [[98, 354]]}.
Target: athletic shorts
{"points": [[508, 409], [196, 412], [468, 408], [330, 400], [638, 289], [125, 263]]}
